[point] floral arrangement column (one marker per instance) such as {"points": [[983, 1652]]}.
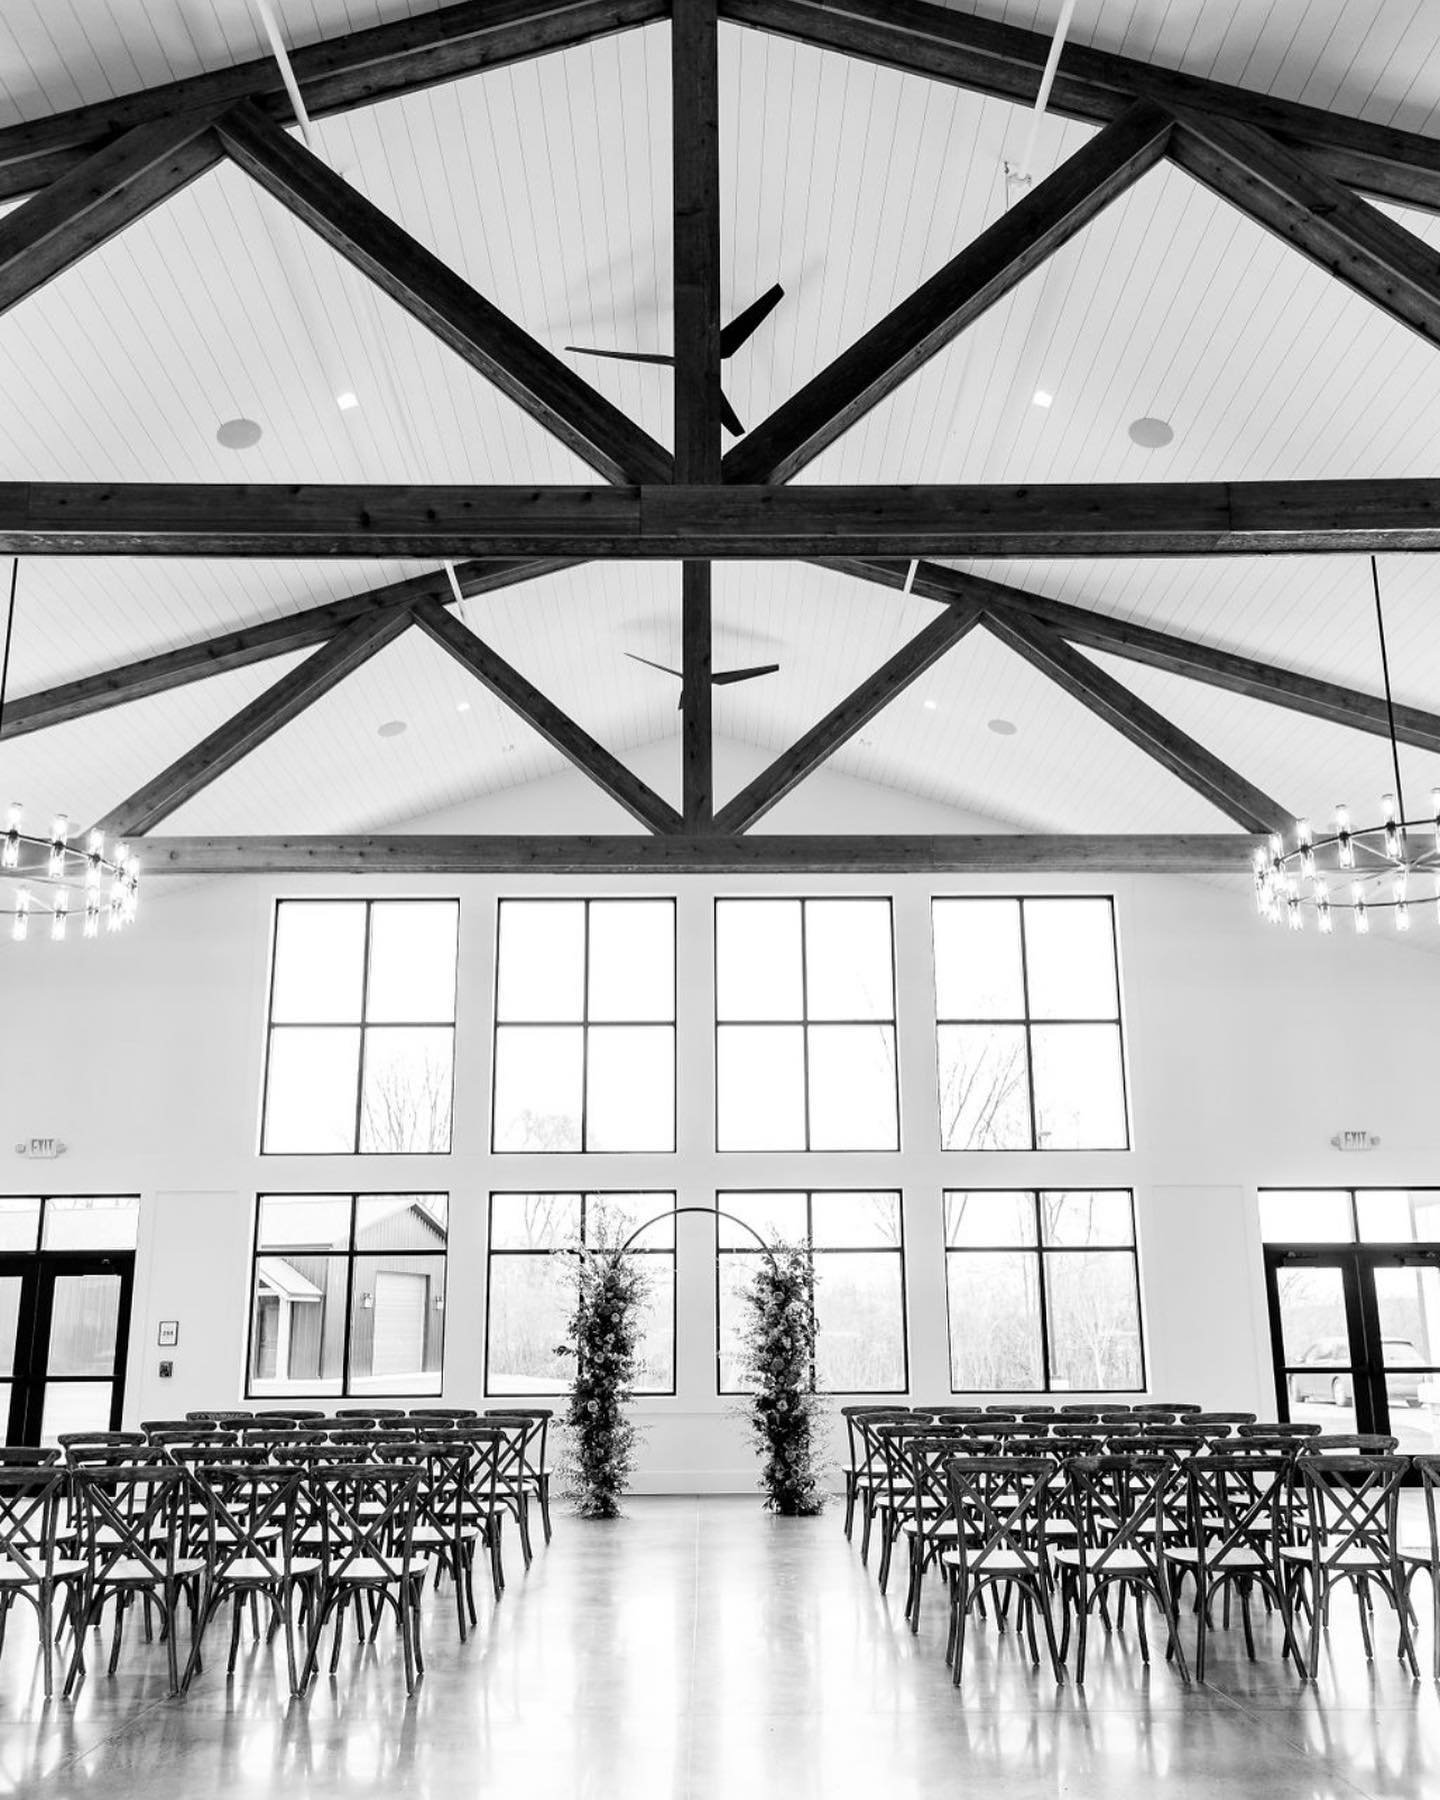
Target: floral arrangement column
{"points": [[778, 1334], [604, 1337]]}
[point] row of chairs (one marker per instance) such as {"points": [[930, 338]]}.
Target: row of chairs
{"points": [[317, 1518], [1122, 1506]]}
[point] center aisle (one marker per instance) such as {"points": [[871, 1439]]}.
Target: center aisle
{"points": [[700, 1648]]}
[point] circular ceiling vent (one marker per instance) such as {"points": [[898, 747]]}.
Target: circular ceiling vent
{"points": [[391, 728], [1151, 434], [239, 434]]}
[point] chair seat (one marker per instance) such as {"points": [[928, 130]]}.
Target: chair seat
{"points": [[370, 1571], [1238, 1556], [993, 1562], [1356, 1558], [131, 1572], [60, 1570], [1118, 1562], [425, 1537], [251, 1571]]}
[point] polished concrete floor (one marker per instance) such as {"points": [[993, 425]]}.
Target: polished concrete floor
{"points": [[699, 1648]]}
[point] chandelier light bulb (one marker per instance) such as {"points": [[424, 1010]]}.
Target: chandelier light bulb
{"points": [[1362, 912], [15, 818], [1323, 918], [20, 925], [60, 916], [1402, 915], [1294, 916], [1342, 834]]}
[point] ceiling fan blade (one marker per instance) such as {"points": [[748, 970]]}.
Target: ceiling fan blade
{"points": [[730, 419], [640, 356], [722, 676], [745, 324], [664, 668]]}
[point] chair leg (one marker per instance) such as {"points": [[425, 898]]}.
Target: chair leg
{"points": [[849, 1501], [44, 1606], [545, 1505], [962, 1608], [1057, 1662]]}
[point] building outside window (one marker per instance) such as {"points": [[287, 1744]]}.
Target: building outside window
{"points": [[348, 1295]]}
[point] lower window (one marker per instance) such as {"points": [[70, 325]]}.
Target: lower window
{"points": [[1043, 1291], [856, 1244], [531, 1293], [348, 1295]]}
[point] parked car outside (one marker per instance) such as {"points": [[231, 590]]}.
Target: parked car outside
{"points": [[1321, 1379]]}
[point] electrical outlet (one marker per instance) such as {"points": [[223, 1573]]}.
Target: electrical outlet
{"points": [[167, 1369]]}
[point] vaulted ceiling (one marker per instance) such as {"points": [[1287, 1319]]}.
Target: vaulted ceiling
{"points": [[547, 184]]}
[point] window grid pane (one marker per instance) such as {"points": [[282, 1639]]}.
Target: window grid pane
{"points": [[1029, 1042], [528, 1292], [347, 1295], [1043, 1291], [805, 1055], [584, 1028], [856, 1243], [361, 1039]]}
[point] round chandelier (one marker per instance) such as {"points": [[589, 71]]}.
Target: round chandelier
{"points": [[49, 879], [1360, 870]]}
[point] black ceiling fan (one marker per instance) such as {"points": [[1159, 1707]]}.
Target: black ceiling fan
{"points": [[739, 331], [718, 677]]}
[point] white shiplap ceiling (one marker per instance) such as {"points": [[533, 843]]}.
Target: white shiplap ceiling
{"points": [[548, 186]]}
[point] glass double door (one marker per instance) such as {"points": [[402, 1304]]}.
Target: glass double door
{"points": [[1356, 1340], [64, 1332]]}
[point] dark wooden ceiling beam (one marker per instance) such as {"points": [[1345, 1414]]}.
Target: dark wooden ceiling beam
{"points": [[1172, 748], [248, 644], [989, 853], [1095, 85], [442, 301], [847, 717], [1316, 215], [1175, 654], [1052, 213], [189, 774], [558, 729], [695, 155], [671, 522], [108, 191], [353, 69]]}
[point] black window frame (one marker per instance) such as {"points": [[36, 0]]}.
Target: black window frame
{"points": [[349, 1257], [362, 1025], [585, 1022], [806, 1024], [1040, 1251], [1356, 1240], [722, 1250], [1027, 1024], [583, 1195]]}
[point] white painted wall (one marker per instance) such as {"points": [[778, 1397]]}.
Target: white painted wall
{"points": [[1247, 1049]]}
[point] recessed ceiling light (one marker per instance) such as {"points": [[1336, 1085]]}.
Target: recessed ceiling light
{"points": [[1002, 727], [1151, 434], [391, 728], [930, 705], [238, 434], [347, 402], [1043, 399], [463, 706]]}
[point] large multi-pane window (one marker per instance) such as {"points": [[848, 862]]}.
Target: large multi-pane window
{"points": [[1028, 1025], [348, 1294], [857, 1253], [585, 1026], [531, 1292], [1043, 1291], [362, 1028], [805, 1024]]}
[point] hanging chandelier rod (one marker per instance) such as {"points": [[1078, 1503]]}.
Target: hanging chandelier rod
{"points": [[1389, 698]]}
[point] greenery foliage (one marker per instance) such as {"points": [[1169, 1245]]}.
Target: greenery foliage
{"points": [[603, 1336], [778, 1334]]}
